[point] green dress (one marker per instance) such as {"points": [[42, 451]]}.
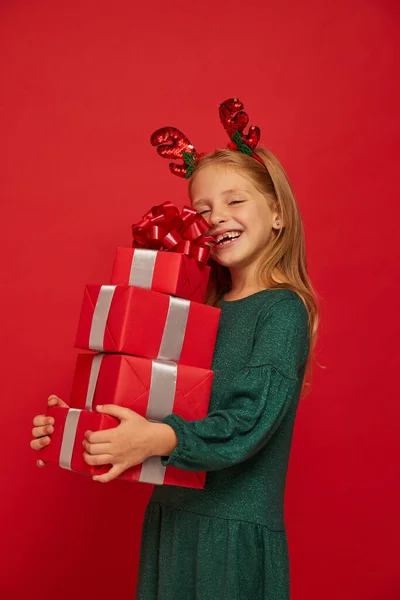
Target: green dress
{"points": [[228, 541]]}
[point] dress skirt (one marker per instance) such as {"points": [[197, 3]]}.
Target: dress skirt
{"points": [[187, 556]]}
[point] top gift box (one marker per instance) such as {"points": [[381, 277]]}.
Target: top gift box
{"points": [[169, 254], [166, 272]]}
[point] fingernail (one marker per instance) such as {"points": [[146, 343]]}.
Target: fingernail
{"points": [[99, 407], [50, 421]]}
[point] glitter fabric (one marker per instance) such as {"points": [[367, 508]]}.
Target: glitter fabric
{"points": [[228, 541], [234, 120], [171, 143]]}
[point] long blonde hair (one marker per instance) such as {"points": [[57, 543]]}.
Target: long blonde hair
{"points": [[285, 253]]}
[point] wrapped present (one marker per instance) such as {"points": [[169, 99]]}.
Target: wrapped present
{"points": [[66, 449], [169, 254], [165, 272], [145, 323], [152, 388]]}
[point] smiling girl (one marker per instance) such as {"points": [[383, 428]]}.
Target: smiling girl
{"points": [[228, 541]]}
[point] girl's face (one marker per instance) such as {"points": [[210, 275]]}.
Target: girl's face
{"points": [[238, 215]]}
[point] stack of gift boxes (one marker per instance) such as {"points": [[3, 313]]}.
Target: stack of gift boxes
{"points": [[152, 340]]}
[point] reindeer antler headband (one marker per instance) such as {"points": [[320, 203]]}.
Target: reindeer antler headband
{"points": [[172, 143]]}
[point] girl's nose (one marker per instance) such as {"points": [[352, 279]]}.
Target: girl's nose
{"points": [[217, 217]]}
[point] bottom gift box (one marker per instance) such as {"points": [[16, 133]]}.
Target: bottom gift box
{"points": [[66, 449]]}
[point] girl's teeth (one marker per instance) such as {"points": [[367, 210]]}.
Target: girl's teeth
{"points": [[228, 238], [227, 241]]}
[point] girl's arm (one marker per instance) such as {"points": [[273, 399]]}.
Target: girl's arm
{"points": [[261, 396]]}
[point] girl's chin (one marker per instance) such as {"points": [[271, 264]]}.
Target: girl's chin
{"points": [[224, 261]]}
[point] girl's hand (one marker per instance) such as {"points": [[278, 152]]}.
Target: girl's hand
{"points": [[43, 427], [124, 446]]}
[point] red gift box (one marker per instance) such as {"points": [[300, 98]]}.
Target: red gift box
{"points": [[152, 388], [70, 426], [142, 322], [66, 449], [165, 272]]}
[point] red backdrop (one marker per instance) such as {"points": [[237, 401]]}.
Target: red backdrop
{"points": [[84, 85]]}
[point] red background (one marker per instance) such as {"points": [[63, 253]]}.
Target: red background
{"points": [[84, 84]]}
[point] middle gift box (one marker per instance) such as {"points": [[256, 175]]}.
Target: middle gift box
{"points": [[133, 320], [152, 388]]}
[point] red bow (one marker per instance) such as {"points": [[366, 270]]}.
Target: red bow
{"points": [[165, 228]]}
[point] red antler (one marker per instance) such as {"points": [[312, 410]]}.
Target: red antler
{"points": [[233, 119], [172, 143]]}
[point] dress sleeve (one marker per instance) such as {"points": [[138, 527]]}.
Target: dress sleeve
{"points": [[260, 396]]}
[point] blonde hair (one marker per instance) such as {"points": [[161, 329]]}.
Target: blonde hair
{"points": [[285, 254]]}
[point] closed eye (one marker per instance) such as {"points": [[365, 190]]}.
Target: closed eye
{"points": [[203, 212]]}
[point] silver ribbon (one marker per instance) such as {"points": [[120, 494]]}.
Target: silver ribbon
{"points": [[69, 435], [94, 374], [142, 268], [174, 329], [100, 316], [160, 404]]}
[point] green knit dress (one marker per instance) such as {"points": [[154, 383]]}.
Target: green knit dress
{"points": [[228, 541]]}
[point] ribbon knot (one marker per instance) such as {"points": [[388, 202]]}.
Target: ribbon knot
{"points": [[164, 227]]}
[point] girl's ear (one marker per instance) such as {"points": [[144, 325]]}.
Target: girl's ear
{"points": [[277, 222]]}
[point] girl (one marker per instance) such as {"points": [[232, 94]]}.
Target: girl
{"points": [[228, 541]]}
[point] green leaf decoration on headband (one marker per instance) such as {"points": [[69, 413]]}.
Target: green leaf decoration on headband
{"points": [[242, 147], [190, 162]]}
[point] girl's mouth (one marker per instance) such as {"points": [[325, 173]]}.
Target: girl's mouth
{"points": [[227, 241]]}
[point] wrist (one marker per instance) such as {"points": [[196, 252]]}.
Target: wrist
{"points": [[163, 439]]}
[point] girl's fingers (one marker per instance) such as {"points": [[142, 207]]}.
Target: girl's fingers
{"points": [[98, 459], [40, 443], [40, 463], [41, 420], [96, 448], [54, 400], [41, 431], [114, 472], [99, 437]]}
